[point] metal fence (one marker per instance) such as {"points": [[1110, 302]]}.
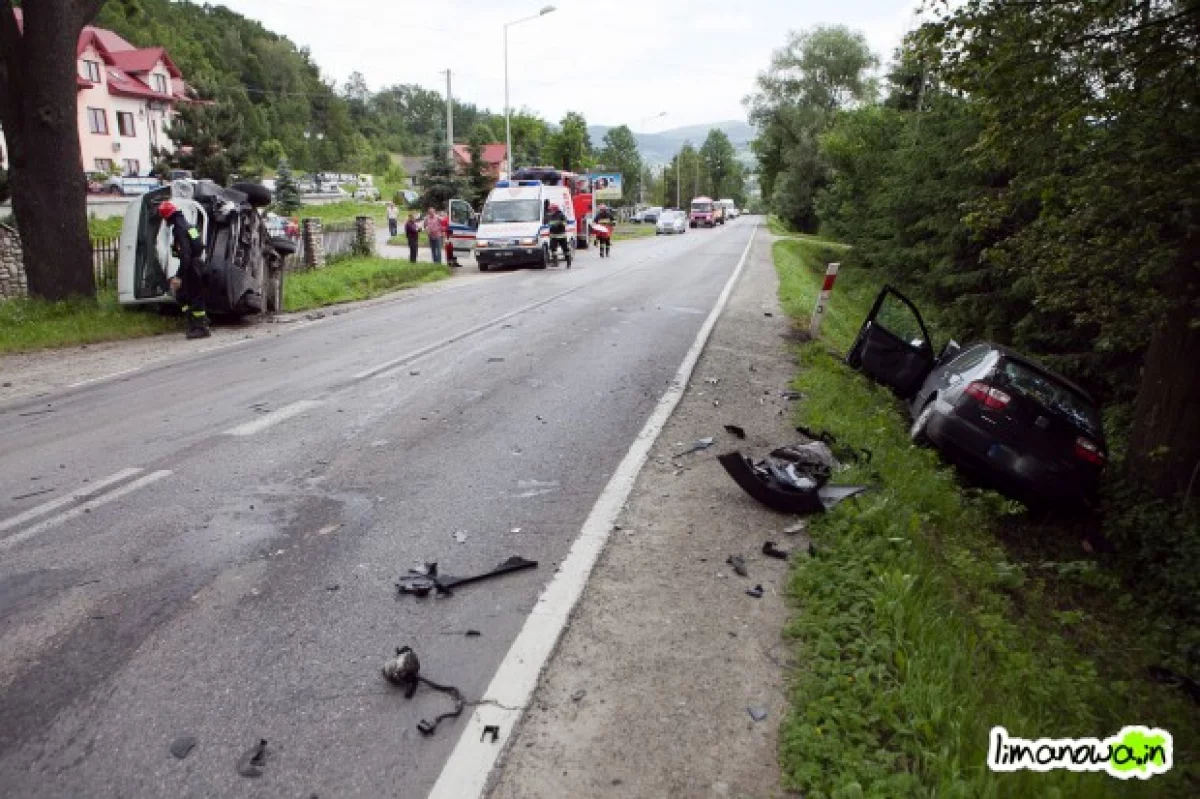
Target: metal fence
{"points": [[104, 261]]}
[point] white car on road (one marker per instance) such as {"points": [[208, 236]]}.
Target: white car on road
{"points": [[671, 222]]}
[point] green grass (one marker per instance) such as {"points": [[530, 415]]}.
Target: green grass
{"points": [[778, 227], [355, 279], [624, 232], [917, 630], [345, 211], [402, 240], [105, 228], [35, 324]]}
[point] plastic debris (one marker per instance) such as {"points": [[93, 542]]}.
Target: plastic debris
{"points": [[757, 713], [798, 527], [771, 551], [735, 431], [756, 592], [700, 444], [578, 695], [404, 671], [492, 730], [738, 564], [251, 763], [460, 536], [420, 581], [182, 746]]}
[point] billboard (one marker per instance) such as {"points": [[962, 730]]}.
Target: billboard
{"points": [[606, 185]]}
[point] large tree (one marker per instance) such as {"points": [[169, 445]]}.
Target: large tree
{"points": [[720, 160], [570, 147], [620, 153], [38, 111], [478, 181], [439, 183]]}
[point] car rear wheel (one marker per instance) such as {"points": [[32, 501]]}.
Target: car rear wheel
{"points": [[918, 432]]}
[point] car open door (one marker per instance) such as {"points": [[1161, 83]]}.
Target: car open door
{"points": [[463, 224], [893, 346]]}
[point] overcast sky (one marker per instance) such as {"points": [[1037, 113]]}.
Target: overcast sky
{"points": [[693, 59]]}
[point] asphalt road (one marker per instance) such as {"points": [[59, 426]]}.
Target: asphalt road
{"points": [[218, 553]]}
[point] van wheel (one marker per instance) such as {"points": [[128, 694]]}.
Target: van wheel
{"points": [[483, 267], [542, 264]]}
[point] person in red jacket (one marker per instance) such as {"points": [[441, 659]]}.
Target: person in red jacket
{"points": [[450, 259]]}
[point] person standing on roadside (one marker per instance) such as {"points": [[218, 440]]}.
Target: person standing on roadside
{"points": [[412, 231], [393, 219], [433, 229]]}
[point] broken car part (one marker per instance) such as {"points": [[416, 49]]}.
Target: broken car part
{"points": [[832, 495], [738, 564], [735, 431], [771, 551], [182, 746], [404, 671], [767, 488], [757, 713], [251, 763], [420, 582], [756, 592], [492, 730], [703, 443]]}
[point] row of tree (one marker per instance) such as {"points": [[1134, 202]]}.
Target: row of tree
{"points": [[1031, 169], [713, 171]]}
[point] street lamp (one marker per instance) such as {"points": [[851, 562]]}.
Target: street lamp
{"points": [[507, 124]]}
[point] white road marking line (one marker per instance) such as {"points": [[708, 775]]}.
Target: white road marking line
{"points": [[55, 504], [466, 772], [272, 418], [86, 507]]}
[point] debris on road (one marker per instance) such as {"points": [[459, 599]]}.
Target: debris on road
{"points": [[460, 536], [765, 485], [421, 581], [495, 360], [798, 527], [735, 431], [832, 495], [182, 746], [333, 587], [756, 592], [33, 494], [771, 551], [793, 479], [493, 730], [252, 762], [699, 444], [791, 394], [757, 713], [314, 316], [738, 564], [578, 695], [473, 633]]}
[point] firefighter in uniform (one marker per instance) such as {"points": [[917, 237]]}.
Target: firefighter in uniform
{"points": [[558, 232], [188, 282], [604, 216]]}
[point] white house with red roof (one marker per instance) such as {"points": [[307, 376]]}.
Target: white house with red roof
{"points": [[127, 98]]}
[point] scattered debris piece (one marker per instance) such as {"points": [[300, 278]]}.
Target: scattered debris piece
{"points": [[251, 764], [36, 413], [765, 485], [771, 551], [493, 730], [791, 394], [757, 713], [495, 360], [314, 316], [767, 313], [578, 695], [329, 528], [515, 530], [738, 564], [182, 746], [735, 431], [798, 527], [460, 536], [842, 451], [756, 592], [712, 381], [473, 633], [333, 587], [33, 494], [699, 444], [414, 372], [421, 582], [832, 495]]}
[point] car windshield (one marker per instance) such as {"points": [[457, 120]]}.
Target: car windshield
{"points": [[702, 207], [1053, 394], [502, 211]]}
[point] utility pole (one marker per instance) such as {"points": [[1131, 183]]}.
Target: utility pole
{"points": [[678, 179], [449, 121]]}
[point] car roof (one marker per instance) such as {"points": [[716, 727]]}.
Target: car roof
{"points": [[1034, 363]]}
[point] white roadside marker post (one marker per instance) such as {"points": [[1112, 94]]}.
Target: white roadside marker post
{"points": [[814, 329]]}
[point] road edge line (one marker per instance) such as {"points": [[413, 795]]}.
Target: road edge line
{"points": [[468, 771]]}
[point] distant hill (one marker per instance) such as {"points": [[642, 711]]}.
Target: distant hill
{"points": [[659, 148]]}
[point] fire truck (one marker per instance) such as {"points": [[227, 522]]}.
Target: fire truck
{"points": [[577, 185]]}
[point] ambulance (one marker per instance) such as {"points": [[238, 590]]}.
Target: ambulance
{"points": [[512, 227]]}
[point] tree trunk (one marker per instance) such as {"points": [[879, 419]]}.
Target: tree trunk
{"points": [[38, 110], [1164, 442]]}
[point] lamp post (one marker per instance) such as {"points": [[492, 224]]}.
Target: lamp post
{"points": [[507, 124]]}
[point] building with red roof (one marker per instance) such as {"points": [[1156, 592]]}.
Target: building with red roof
{"points": [[493, 157], [127, 99]]}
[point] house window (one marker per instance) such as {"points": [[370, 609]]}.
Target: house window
{"points": [[160, 83], [104, 165], [97, 120], [132, 166], [91, 71], [125, 123]]}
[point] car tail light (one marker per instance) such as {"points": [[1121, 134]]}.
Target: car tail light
{"points": [[988, 396], [1088, 450]]}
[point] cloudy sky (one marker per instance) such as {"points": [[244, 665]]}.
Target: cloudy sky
{"points": [[617, 62]]}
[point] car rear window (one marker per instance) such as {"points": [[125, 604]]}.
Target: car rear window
{"points": [[1053, 394]]}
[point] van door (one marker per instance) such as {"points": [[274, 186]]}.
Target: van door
{"points": [[893, 345], [463, 224]]}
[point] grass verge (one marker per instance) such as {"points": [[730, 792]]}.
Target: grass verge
{"points": [[625, 232], [355, 279], [402, 240], [345, 211], [27, 324], [918, 630]]}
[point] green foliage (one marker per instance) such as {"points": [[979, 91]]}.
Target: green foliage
{"points": [[478, 180], [287, 194], [439, 183], [918, 631], [726, 175], [30, 324], [356, 278], [570, 147], [620, 153], [109, 228]]}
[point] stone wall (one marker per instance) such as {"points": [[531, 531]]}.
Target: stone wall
{"points": [[314, 243], [12, 268], [364, 235]]}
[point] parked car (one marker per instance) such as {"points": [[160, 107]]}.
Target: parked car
{"points": [[1027, 431], [650, 215], [243, 267], [671, 222], [131, 185]]}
